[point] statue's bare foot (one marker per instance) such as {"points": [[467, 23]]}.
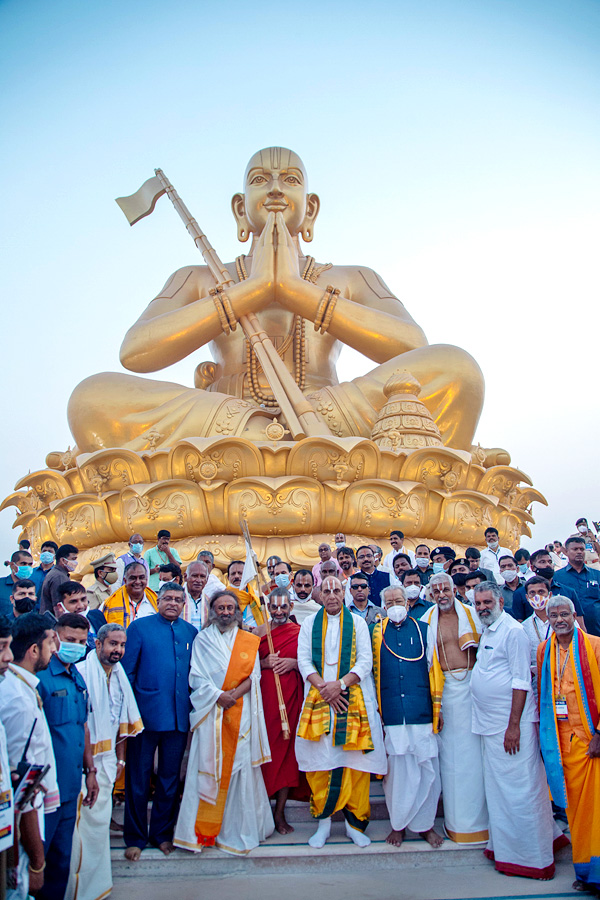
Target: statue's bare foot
{"points": [[432, 837], [133, 854], [281, 825], [395, 838], [166, 847], [490, 456]]}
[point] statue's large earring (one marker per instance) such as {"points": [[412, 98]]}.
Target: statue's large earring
{"points": [[307, 229], [239, 212]]}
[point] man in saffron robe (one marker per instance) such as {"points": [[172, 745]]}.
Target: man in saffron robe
{"points": [[569, 686], [339, 740], [281, 774], [225, 803]]}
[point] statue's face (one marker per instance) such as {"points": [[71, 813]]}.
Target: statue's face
{"points": [[270, 189], [275, 181]]}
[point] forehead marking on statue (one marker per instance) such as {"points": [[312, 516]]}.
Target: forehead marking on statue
{"points": [[275, 159]]}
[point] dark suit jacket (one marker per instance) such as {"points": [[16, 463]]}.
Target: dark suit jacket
{"points": [[157, 663]]}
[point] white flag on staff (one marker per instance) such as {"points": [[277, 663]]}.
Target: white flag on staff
{"points": [[250, 570], [142, 203]]}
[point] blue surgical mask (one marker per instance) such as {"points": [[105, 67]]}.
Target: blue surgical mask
{"points": [[71, 653], [422, 562], [437, 568], [46, 557], [523, 568], [24, 571], [282, 580], [137, 548]]}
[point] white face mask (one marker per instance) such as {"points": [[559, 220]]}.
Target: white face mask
{"points": [[412, 591], [582, 529], [339, 544], [397, 614], [538, 601], [509, 575], [470, 595], [422, 562], [493, 545]]}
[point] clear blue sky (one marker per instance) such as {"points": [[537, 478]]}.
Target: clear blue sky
{"points": [[454, 146]]}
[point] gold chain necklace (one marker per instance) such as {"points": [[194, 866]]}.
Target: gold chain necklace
{"points": [[296, 334], [448, 669], [405, 658]]}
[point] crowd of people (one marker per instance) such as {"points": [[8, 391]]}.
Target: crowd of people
{"points": [[216, 698]]}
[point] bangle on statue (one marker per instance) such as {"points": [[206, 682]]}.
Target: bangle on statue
{"points": [[37, 871], [228, 309], [326, 308], [334, 294], [322, 308], [216, 293]]}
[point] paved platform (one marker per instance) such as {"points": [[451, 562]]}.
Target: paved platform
{"points": [[287, 855]]}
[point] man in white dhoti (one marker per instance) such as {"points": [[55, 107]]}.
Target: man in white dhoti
{"points": [[522, 830], [339, 740], [225, 801], [455, 630], [402, 652], [114, 716]]}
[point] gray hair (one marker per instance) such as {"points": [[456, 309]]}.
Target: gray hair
{"points": [[279, 592], [104, 631], [132, 565], [440, 577], [170, 586], [208, 553], [490, 586], [391, 587], [559, 600]]}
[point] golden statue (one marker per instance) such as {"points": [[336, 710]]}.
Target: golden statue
{"points": [[287, 288], [387, 448]]}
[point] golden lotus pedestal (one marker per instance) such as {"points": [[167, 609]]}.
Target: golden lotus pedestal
{"points": [[293, 495]]}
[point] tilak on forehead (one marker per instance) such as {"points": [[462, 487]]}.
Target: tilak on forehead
{"points": [[275, 158]]}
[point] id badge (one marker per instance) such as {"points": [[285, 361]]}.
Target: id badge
{"points": [[561, 708]]}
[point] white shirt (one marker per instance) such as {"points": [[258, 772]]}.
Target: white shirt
{"points": [[537, 631], [388, 560], [489, 560], [322, 755], [503, 665], [18, 711], [302, 609]]}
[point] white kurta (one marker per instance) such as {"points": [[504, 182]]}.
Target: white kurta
{"points": [[247, 818], [521, 823], [321, 755]]}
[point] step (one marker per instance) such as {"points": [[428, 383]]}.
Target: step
{"points": [[291, 854]]}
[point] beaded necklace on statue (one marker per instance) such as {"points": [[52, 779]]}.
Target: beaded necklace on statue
{"points": [[295, 335]]}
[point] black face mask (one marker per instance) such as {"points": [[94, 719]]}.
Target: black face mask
{"points": [[546, 572], [24, 605]]}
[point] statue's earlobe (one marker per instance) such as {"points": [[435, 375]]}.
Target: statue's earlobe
{"points": [[307, 228], [239, 214]]}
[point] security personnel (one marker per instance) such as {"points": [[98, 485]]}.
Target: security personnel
{"points": [[105, 573], [157, 663], [65, 700]]}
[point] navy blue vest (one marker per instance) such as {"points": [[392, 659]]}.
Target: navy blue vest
{"points": [[405, 693]]}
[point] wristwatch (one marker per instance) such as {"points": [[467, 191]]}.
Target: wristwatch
{"points": [[343, 685]]}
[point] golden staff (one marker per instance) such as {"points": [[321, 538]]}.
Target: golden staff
{"points": [[285, 723], [298, 412]]}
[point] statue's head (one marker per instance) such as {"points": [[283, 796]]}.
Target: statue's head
{"points": [[275, 180]]}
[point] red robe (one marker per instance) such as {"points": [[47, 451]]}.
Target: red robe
{"points": [[282, 771]]}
